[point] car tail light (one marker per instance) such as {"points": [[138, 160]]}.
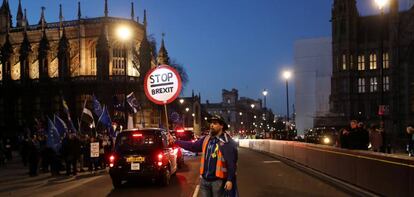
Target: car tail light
{"points": [[193, 141], [160, 156], [180, 131], [112, 159], [159, 163], [137, 135]]}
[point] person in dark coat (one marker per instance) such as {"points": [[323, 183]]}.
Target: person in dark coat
{"points": [[71, 152], [218, 160], [33, 155]]}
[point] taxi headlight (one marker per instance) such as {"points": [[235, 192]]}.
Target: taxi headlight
{"points": [[326, 140]]}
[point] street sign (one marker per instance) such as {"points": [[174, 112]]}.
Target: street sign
{"points": [[162, 84]]}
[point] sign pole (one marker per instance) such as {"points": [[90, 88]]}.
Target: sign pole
{"points": [[166, 117]]}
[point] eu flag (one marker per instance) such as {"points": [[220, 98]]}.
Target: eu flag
{"points": [[60, 125], [97, 108], [105, 119], [53, 137]]}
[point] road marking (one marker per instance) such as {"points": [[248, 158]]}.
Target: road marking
{"points": [[195, 194], [77, 184], [274, 161]]}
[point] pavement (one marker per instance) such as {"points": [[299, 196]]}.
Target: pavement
{"points": [[15, 179]]}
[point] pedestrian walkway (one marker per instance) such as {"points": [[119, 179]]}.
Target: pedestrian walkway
{"points": [[15, 179]]}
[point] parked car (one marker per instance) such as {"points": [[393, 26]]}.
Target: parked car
{"points": [[184, 135], [142, 153], [321, 135]]}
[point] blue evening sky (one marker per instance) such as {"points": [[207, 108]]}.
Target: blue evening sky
{"points": [[242, 44]]}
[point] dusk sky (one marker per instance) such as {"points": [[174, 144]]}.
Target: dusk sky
{"points": [[242, 44]]}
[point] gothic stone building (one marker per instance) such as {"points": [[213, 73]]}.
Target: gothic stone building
{"points": [[45, 62], [360, 85]]}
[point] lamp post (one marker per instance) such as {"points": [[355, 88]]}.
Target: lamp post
{"points": [[381, 4], [287, 74], [265, 94], [124, 34]]}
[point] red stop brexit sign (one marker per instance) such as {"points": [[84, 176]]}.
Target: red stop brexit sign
{"points": [[162, 84]]}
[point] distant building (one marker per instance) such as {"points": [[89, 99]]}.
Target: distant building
{"points": [[313, 70], [45, 62], [243, 115], [361, 88]]}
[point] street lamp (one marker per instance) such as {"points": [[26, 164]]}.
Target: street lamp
{"points": [[287, 74], [381, 4], [124, 34], [265, 94], [181, 101], [252, 106]]}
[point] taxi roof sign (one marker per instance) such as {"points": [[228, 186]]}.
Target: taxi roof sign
{"points": [[162, 84]]}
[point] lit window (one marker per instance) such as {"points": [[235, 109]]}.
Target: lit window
{"points": [[386, 83], [93, 60], [361, 62], [351, 62], [372, 61], [344, 62], [118, 61], [386, 61], [361, 85], [373, 84]]}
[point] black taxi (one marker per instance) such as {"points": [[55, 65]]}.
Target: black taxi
{"points": [[142, 153]]}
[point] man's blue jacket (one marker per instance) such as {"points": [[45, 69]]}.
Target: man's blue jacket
{"points": [[229, 151]]}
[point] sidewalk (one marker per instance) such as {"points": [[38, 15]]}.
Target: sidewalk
{"points": [[15, 180]]}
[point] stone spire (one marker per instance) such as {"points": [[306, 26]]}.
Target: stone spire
{"points": [[79, 10], [60, 21], [106, 8], [102, 56], [145, 19], [132, 11], [25, 21], [64, 57], [43, 56], [163, 54], [19, 16], [5, 17], [6, 53], [25, 50], [42, 20]]}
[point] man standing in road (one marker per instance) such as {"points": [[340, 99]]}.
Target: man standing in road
{"points": [[218, 159]]}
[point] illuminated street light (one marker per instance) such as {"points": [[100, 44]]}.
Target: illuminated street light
{"points": [[240, 113], [181, 101], [124, 34], [187, 109], [381, 3], [252, 105], [264, 94], [287, 74]]}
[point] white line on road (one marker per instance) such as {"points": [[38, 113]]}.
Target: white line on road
{"points": [[275, 161], [195, 194], [76, 184]]}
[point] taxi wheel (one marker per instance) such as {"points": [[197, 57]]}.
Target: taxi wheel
{"points": [[116, 182], [165, 179]]}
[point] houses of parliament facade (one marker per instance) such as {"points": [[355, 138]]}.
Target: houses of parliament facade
{"points": [[47, 62], [373, 66]]}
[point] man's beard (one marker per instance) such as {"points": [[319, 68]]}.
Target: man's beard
{"points": [[213, 132]]}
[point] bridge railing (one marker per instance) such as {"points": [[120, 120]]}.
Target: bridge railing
{"points": [[384, 174]]}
